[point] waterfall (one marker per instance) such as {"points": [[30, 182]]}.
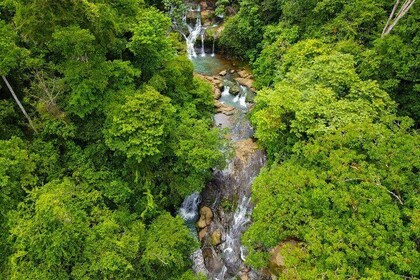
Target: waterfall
{"points": [[244, 93], [212, 51], [225, 91], [233, 251], [192, 37], [189, 212], [242, 100], [203, 52], [189, 208], [193, 31]]}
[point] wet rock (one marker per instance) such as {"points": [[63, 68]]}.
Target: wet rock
{"points": [[224, 109], [243, 74], [206, 214], [245, 148], [216, 237], [223, 73], [246, 82], [234, 90], [202, 233], [212, 260], [201, 223], [217, 93]]}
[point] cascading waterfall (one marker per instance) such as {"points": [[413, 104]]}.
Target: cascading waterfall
{"points": [[189, 208], [225, 91], [242, 99], [194, 32], [203, 52], [212, 50], [189, 212]]}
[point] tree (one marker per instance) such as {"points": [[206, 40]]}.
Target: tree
{"points": [[139, 126], [64, 231], [168, 243]]}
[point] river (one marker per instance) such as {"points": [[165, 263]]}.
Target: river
{"points": [[223, 209]]}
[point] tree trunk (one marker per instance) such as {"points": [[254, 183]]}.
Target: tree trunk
{"points": [[18, 103], [393, 19]]}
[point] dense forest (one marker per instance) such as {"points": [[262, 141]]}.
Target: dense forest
{"points": [[340, 197], [120, 132], [104, 129]]}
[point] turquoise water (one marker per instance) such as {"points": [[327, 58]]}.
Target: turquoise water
{"points": [[210, 65]]}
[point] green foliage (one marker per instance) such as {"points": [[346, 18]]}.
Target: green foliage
{"points": [[243, 30], [64, 232], [168, 242], [16, 177], [114, 99], [10, 53], [8, 125], [139, 126], [392, 60], [343, 180], [149, 43]]}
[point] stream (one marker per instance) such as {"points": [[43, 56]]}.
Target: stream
{"points": [[220, 214]]}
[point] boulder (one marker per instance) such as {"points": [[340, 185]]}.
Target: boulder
{"points": [[224, 109], [216, 237], [232, 71], [234, 89], [206, 214], [217, 93], [245, 148], [246, 82], [203, 5], [243, 74], [206, 17], [201, 223], [202, 233], [223, 73]]}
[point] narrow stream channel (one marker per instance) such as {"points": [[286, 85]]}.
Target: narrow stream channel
{"points": [[224, 207]]}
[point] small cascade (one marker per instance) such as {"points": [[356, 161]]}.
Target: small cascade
{"points": [[203, 52], [244, 93], [236, 179], [225, 91], [233, 251], [194, 32], [212, 50], [242, 100], [189, 209], [189, 212]]}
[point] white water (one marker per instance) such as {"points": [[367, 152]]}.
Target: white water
{"points": [[231, 254], [238, 101], [212, 50], [225, 91], [189, 212], [194, 32], [203, 52], [233, 251], [189, 208], [242, 100]]}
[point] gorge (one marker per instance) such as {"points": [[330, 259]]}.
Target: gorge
{"points": [[222, 211]]}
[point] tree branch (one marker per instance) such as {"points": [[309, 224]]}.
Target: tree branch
{"points": [[18, 102], [401, 13]]}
